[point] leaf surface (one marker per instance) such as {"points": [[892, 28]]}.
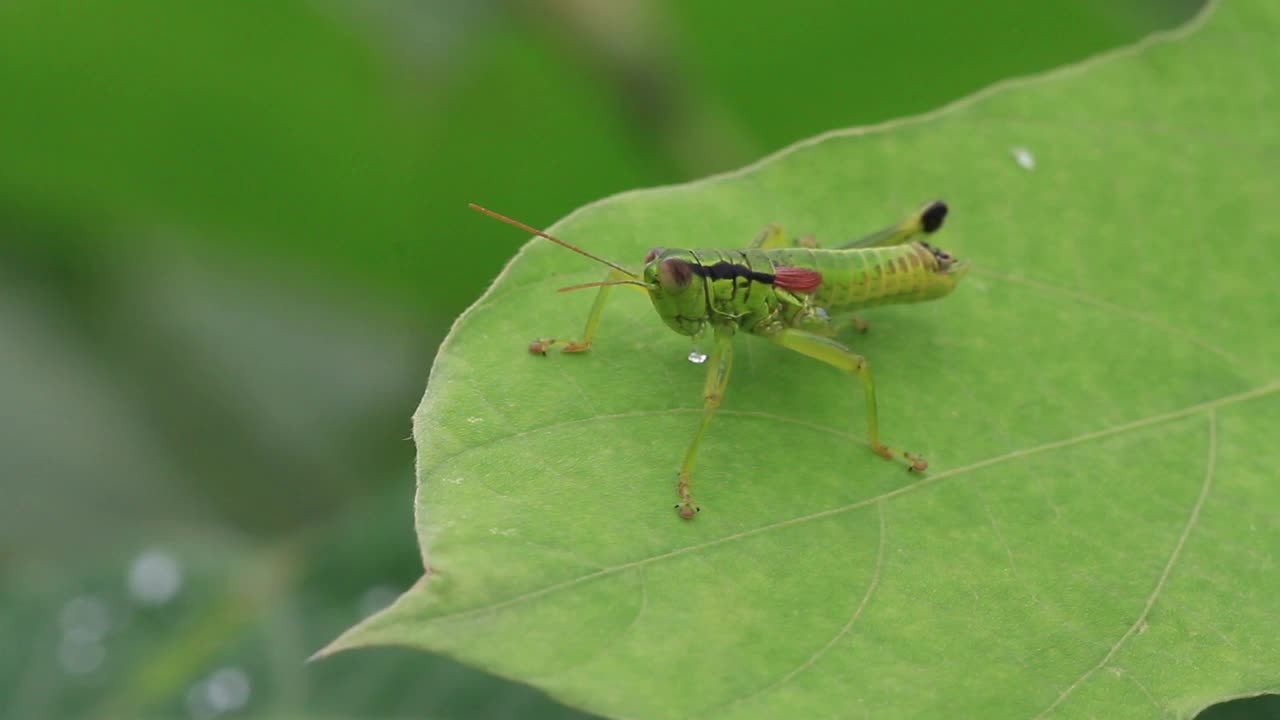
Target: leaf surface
{"points": [[1097, 535]]}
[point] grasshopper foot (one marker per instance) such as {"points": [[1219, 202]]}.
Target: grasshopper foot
{"points": [[918, 464], [915, 463], [687, 509], [861, 325], [541, 345]]}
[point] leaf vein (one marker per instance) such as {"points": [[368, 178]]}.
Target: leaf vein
{"points": [[842, 632], [605, 645], [645, 413], [1192, 519], [1111, 307]]}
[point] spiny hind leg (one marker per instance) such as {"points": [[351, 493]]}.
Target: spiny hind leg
{"points": [[833, 353], [542, 345], [926, 220], [712, 393], [772, 237]]}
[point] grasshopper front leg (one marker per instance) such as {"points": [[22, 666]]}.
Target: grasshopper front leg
{"points": [[833, 353], [720, 363], [542, 345]]}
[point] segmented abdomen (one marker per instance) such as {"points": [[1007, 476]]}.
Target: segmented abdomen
{"points": [[864, 277]]}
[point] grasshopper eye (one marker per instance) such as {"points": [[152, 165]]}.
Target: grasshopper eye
{"points": [[674, 275], [653, 253]]}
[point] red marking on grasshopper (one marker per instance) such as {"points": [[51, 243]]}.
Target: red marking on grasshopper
{"points": [[798, 279]]}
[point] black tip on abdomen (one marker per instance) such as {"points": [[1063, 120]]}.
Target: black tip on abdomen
{"points": [[931, 218]]}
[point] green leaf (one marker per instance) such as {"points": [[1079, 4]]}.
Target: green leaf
{"points": [[1097, 535]]}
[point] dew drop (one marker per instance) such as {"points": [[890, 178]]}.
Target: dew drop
{"points": [[697, 357], [1024, 157], [155, 577]]}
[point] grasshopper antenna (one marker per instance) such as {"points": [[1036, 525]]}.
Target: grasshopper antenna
{"points": [[637, 283], [553, 239]]}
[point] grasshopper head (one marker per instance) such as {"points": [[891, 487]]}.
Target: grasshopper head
{"points": [[676, 291]]}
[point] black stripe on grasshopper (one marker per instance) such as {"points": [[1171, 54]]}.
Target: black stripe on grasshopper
{"points": [[724, 270]]}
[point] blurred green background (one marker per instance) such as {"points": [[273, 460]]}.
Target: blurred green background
{"points": [[232, 235]]}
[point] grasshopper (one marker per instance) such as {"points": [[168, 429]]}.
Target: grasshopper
{"points": [[787, 291]]}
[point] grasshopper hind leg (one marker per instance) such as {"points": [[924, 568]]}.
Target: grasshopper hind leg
{"points": [[837, 355]]}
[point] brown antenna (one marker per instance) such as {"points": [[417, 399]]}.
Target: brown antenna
{"points": [[553, 239], [603, 283]]}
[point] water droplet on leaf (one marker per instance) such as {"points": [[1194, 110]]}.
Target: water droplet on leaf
{"points": [[1024, 157]]}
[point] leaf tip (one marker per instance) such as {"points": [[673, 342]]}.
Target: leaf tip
{"points": [[376, 629]]}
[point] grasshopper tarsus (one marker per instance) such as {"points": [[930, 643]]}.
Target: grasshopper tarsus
{"points": [[687, 511], [542, 345], [915, 463], [686, 507]]}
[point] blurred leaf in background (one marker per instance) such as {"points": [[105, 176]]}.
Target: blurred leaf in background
{"points": [[232, 234]]}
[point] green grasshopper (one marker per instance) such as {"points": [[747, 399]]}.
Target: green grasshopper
{"points": [[784, 290]]}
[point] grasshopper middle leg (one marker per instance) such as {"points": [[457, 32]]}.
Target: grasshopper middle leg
{"points": [[772, 237], [720, 363], [833, 353]]}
